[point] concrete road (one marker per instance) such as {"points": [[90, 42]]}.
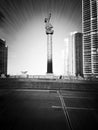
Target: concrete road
{"points": [[27, 109]]}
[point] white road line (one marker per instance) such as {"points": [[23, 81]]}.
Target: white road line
{"points": [[68, 96], [81, 108], [31, 90], [76, 108], [56, 107], [65, 111]]}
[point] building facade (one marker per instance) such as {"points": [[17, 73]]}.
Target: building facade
{"points": [[90, 37], [76, 54], [3, 57], [66, 57]]}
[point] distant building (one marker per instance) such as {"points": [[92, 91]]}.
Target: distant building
{"points": [[66, 57], [3, 57], [78, 54], [71, 55], [90, 37], [75, 54]]}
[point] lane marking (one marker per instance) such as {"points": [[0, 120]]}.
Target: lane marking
{"points": [[76, 108], [29, 90], [56, 107], [81, 108], [65, 111], [68, 96]]}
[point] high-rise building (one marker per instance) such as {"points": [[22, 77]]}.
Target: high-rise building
{"points": [[72, 54], [3, 57], [66, 57], [75, 54], [90, 37], [78, 54]]}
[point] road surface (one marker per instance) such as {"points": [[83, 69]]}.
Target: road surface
{"points": [[29, 109]]}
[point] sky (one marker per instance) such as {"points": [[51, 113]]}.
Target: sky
{"points": [[22, 26]]}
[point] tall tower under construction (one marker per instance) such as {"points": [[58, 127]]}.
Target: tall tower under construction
{"points": [[49, 33]]}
